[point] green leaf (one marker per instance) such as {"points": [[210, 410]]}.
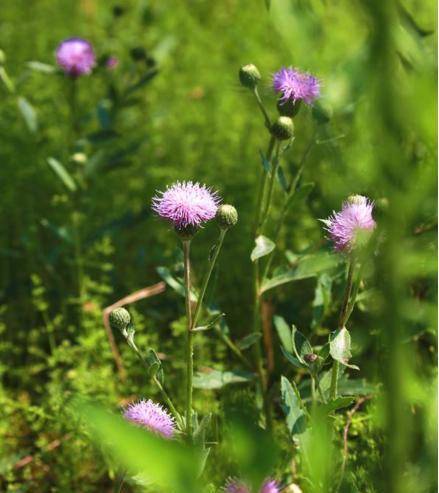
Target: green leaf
{"points": [[263, 247], [292, 359], [211, 323], [265, 163], [62, 174], [166, 463], [171, 281], [322, 298], [282, 180], [155, 365], [284, 333], [340, 347], [249, 340], [306, 266], [41, 67], [338, 403], [295, 416], [28, 113], [301, 345], [216, 379]]}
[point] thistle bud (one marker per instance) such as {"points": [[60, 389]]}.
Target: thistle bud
{"points": [[249, 76], [283, 128], [120, 319], [227, 216], [288, 108], [186, 232]]}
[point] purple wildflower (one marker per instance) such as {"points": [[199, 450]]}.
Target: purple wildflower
{"points": [[152, 416], [270, 486], [352, 225], [75, 56], [236, 486], [186, 204], [111, 63], [296, 86]]}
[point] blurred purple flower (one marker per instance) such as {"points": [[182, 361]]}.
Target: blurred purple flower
{"points": [[186, 204], [75, 56], [112, 63], [236, 486], [296, 86], [152, 416], [353, 225]]}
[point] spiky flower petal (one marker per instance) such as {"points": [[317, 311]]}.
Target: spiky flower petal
{"points": [[353, 225], [234, 485], [186, 204], [294, 85], [151, 416], [270, 486], [75, 56]]}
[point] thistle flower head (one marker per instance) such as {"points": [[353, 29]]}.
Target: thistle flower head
{"points": [[186, 204], [151, 416], [75, 56], [270, 486], [236, 486], [352, 226], [296, 86], [249, 76]]}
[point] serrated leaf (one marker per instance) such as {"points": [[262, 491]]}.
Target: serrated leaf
{"points": [[172, 282], [340, 347], [216, 379], [295, 416], [306, 266], [263, 247], [62, 174], [249, 340], [155, 365], [28, 113], [338, 403], [210, 324], [284, 333]]}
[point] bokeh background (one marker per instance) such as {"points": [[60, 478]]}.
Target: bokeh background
{"points": [[171, 110]]}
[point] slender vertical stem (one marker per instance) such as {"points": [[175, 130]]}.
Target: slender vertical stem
{"points": [[274, 169], [341, 323], [262, 185], [189, 343], [262, 108], [207, 276]]}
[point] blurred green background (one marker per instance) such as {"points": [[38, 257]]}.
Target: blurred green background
{"points": [[189, 119]]}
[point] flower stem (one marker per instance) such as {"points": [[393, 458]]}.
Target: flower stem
{"points": [[207, 277], [189, 340], [274, 169], [261, 188], [262, 108], [341, 323]]}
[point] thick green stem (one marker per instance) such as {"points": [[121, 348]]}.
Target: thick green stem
{"points": [[189, 340], [341, 323], [207, 277]]}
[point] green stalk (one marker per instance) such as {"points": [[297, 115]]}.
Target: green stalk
{"points": [[262, 108], [274, 169], [189, 340], [341, 323], [207, 277], [261, 188]]}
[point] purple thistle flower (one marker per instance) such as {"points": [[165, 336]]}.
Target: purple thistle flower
{"points": [[236, 486], [75, 56], [186, 204], [296, 86], [270, 486], [152, 416], [111, 63], [352, 225]]}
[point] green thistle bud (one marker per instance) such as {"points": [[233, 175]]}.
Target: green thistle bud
{"points": [[288, 108], [283, 128], [249, 76], [120, 319], [227, 216], [310, 357]]}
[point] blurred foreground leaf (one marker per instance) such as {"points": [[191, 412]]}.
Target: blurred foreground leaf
{"points": [[28, 113], [295, 416], [62, 174], [216, 379]]}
